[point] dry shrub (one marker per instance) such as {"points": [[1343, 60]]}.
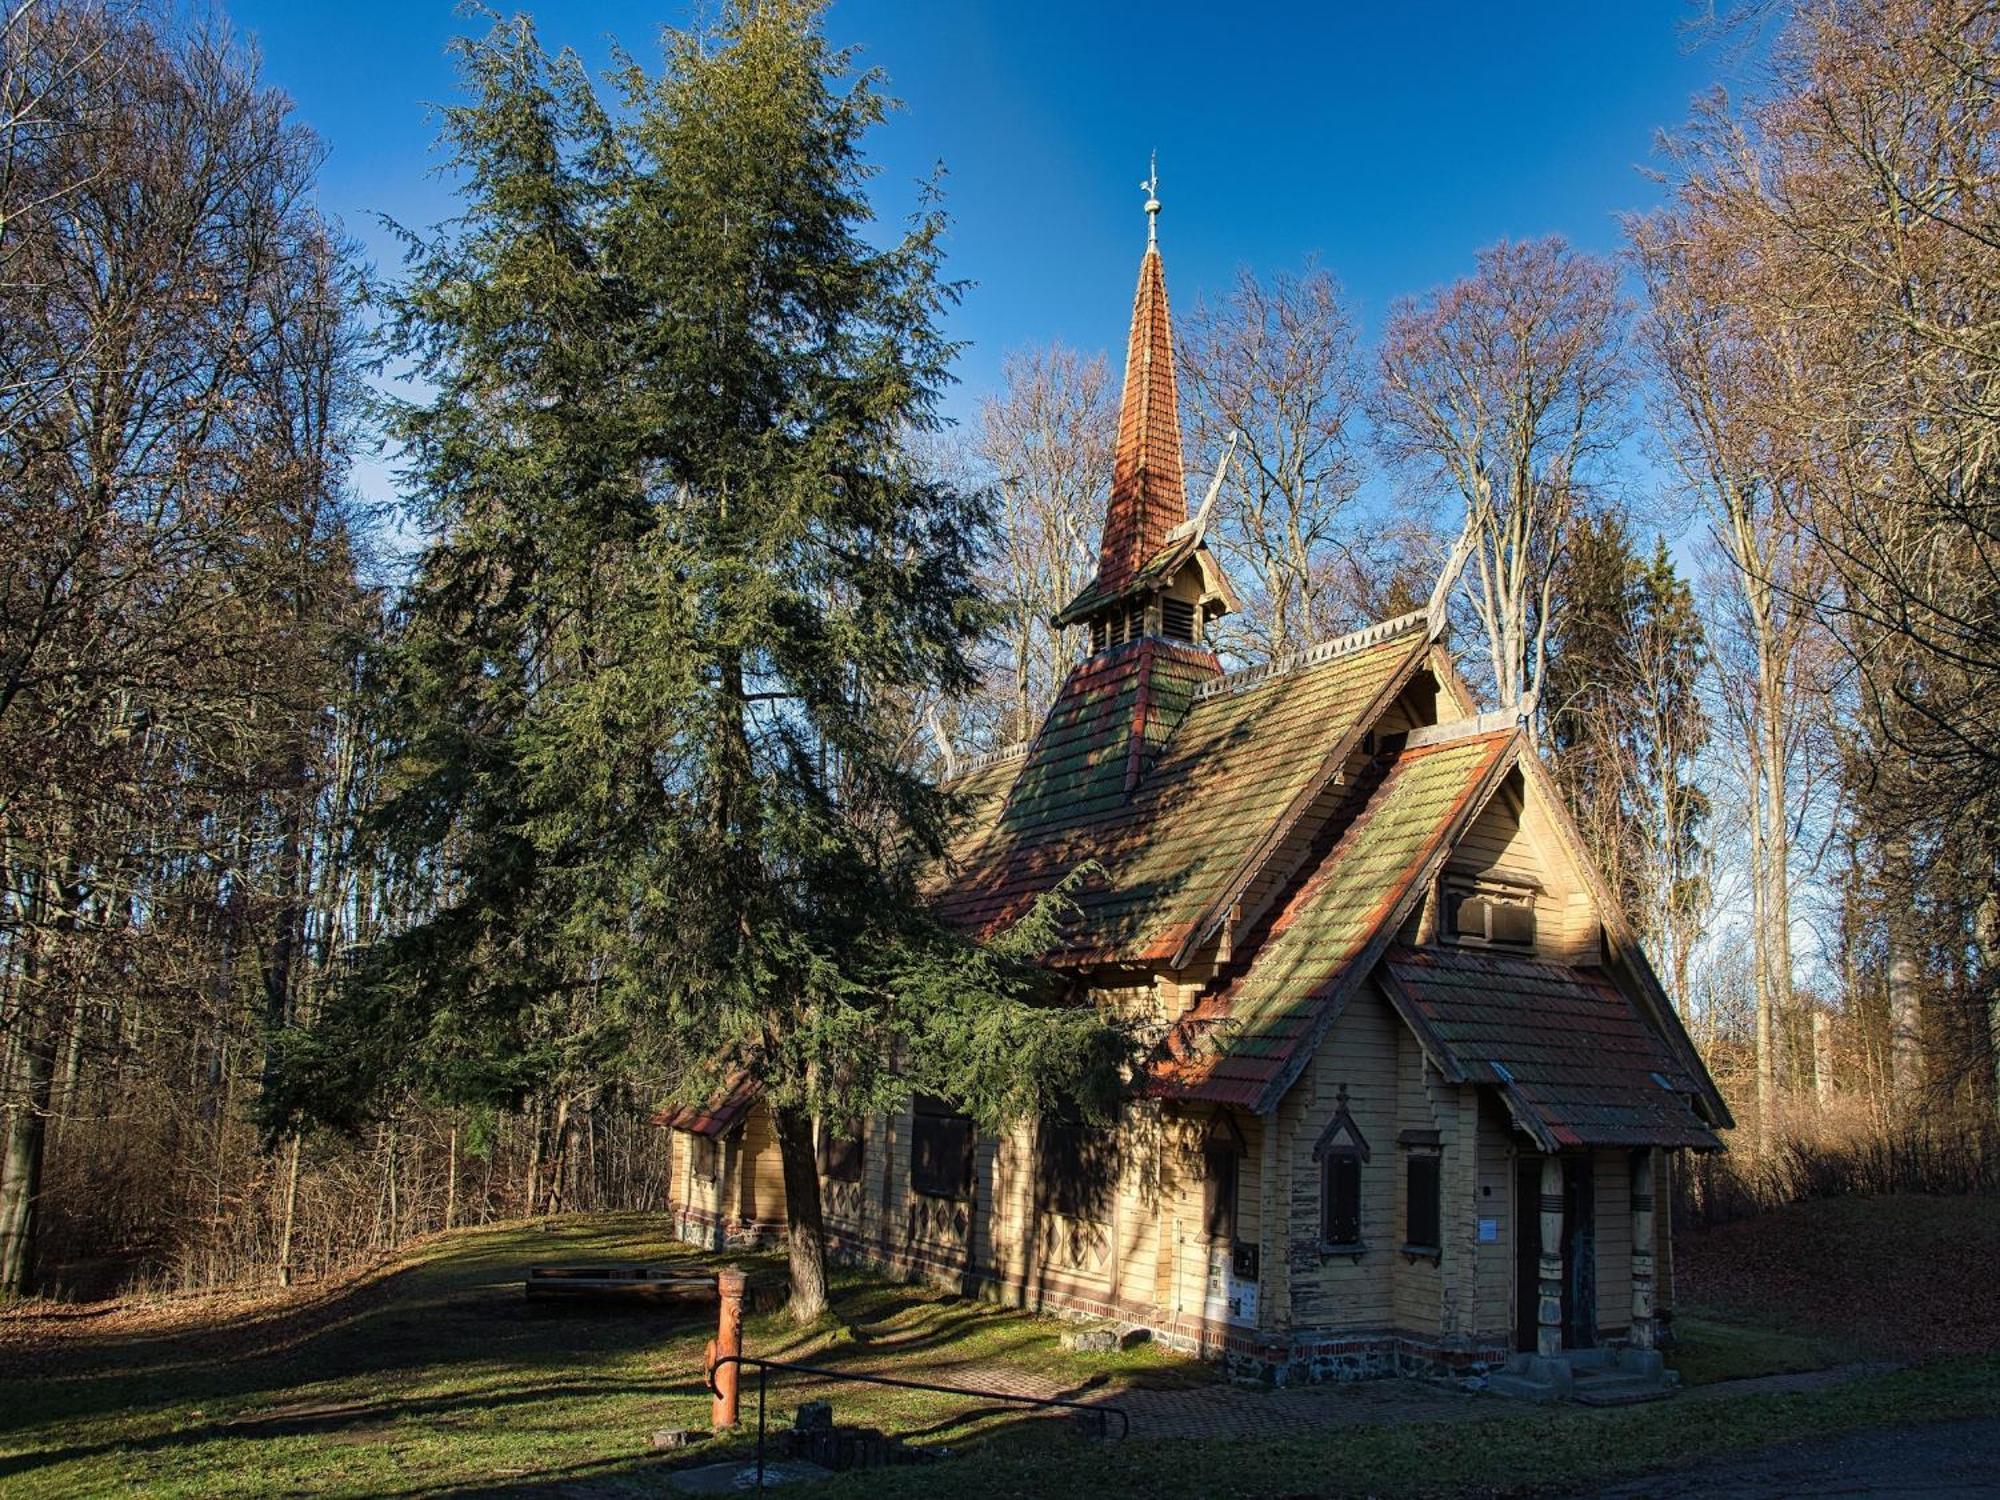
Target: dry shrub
{"points": [[1842, 1154], [168, 1196]]}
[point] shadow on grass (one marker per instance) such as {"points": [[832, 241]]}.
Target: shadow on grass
{"points": [[302, 1419], [447, 1340], [460, 1306]]}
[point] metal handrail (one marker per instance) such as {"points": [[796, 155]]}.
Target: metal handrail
{"points": [[765, 1366]]}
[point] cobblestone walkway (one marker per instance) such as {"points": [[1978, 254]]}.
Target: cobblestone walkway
{"points": [[1233, 1411]]}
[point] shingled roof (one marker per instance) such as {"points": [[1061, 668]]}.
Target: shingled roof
{"points": [[1244, 1043], [1575, 1062], [1148, 484], [1170, 778]]}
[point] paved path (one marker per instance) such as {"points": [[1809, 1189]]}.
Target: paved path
{"points": [[1945, 1461], [1221, 1410], [1231, 1411]]}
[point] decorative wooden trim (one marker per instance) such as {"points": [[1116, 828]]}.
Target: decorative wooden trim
{"points": [[1016, 751], [1245, 678], [1467, 729], [1342, 1121]]}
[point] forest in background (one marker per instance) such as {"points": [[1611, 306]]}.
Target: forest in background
{"points": [[1764, 662]]}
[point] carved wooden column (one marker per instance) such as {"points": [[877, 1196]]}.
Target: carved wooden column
{"points": [[1549, 1331], [1644, 1335]]}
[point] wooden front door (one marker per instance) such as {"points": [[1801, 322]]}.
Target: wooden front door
{"points": [[1579, 1253]]}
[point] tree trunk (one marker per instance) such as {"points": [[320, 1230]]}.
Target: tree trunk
{"points": [[395, 1202], [31, 1090], [532, 1182], [1760, 962], [1988, 928], [805, 1225], [1905, 1003], [1822, 1042], [291, 1215], [21, 1166]]}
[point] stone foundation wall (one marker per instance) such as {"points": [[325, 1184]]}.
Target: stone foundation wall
{"points": [[697, 1226]]}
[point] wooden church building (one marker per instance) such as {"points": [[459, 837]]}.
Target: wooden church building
{"points": [[1413, 1088]]}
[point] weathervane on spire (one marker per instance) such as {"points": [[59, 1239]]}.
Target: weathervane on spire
{"points": [[1152, 189]]}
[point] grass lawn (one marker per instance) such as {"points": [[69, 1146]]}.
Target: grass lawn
{"points": [[442, 1379], [1906, 1276], [1709, 1347]]}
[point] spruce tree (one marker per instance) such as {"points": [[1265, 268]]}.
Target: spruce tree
{"points": [[681, 580]]}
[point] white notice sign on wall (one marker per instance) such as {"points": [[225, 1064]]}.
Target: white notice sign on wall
{"points": [[1227, 1297]]}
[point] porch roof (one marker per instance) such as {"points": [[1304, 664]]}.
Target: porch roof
{"points": [[1576, 1063]]}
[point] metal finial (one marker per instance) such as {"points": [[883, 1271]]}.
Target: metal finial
{"points": [[1151, 187]]}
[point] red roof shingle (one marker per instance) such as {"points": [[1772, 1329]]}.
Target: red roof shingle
{"points": [[1148, 484], [720, 1115]]}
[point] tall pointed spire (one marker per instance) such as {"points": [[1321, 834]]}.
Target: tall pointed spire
{"points": [[1148, 483]]}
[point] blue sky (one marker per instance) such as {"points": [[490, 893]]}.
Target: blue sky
{"points": [[1390, 140]]}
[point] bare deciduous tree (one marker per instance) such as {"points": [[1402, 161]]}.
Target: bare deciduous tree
{"points": [[1508, 390], [1275, 362], [1045, 443], [177, 558], [1721, 387], [1827, 325]]}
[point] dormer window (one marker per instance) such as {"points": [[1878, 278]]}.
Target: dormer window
{"points": [[1490, 914], [1177, 620]]}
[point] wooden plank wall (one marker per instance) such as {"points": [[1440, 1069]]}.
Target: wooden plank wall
{"points": [[1505, 842], [1149, 1250], [760, 1171], [1613, 1170], [1362, 1053], [685, 1189], [1494, 1277]]}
